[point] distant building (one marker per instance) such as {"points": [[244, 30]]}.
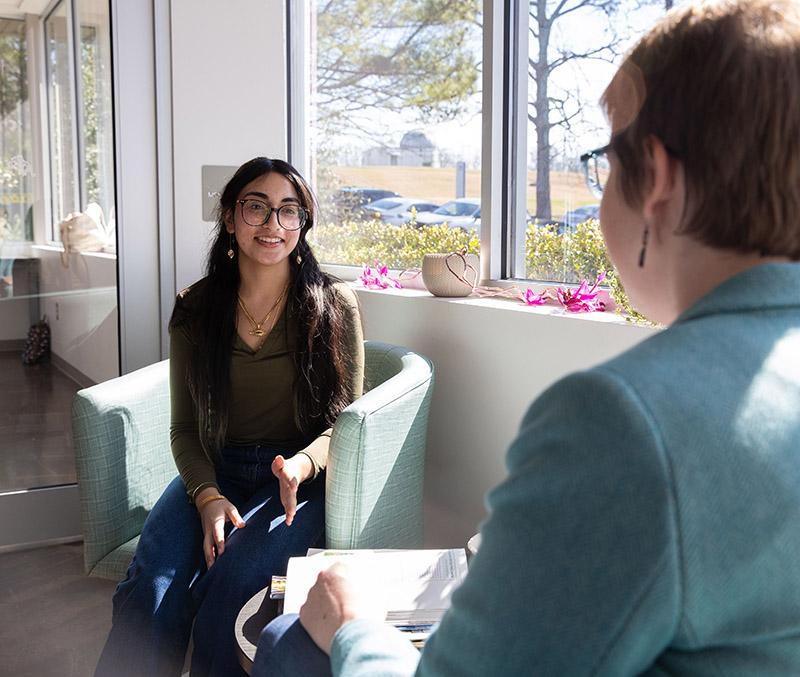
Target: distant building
{"points": [[416, 150]]}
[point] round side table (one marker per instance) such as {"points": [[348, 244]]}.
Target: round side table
{"points": [[252, 619]]}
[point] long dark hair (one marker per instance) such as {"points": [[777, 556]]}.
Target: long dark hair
{"points": [[208, 308]]}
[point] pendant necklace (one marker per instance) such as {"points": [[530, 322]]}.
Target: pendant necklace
{"points": [[256, 329]]}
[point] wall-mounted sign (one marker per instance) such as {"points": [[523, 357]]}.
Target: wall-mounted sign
{"points": [[214, 178]]}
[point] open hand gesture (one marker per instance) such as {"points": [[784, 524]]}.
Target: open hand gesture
{"points": [[290, 473]]}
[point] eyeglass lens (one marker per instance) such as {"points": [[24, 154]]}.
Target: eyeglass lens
{"points": [[596, 169], [257, 213]]}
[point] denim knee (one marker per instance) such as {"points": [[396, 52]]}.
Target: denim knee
{"points": [[285, 648]]}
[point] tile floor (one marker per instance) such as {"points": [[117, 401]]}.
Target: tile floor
{"points": [[53, 618], [35, 428]]}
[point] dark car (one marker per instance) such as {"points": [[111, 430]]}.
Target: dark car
{"points": [[349, 202], [581, 215]]}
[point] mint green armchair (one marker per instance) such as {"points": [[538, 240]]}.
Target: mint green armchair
{"points": [[374, 478]]}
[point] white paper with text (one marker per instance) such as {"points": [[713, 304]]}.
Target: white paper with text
{"points": [[415, 586]]}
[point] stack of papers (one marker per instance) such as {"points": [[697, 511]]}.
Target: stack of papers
{"points": [[416, 585]]}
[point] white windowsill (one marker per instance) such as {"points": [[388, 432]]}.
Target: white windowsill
{"points": [[501, 304], [59, 249], [414, 289]]}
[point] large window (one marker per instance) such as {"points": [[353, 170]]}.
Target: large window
{"points": [[78, 63], [395, 112], [571, 52]]}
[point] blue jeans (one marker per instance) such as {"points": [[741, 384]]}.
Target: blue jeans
{"points": [[168, 586], [285, 648]]}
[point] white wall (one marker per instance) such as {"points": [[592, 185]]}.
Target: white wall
{"points": [[492, 358], [229, 104], [80, 302], [15, 314]]}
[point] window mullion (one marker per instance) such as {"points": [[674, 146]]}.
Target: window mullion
{"points": [[79, 162], [299, 15], [517, 151], [492, 151]]}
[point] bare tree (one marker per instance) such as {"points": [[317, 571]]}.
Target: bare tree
{"points": [[546, 110], [391, 56]]}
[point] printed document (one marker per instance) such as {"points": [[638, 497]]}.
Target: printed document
{"points": [[415, 585]]}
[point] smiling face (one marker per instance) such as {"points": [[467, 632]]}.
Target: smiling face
{"points": [[270, 244]]}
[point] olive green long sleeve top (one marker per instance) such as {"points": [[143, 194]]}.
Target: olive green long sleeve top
{"points": [[262, 402]]}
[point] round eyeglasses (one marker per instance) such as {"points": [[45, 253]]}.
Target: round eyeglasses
{"points": [[595, 169], [256, 213]]}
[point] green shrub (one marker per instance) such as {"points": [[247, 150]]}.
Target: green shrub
{"points": [[570, 256], [358, 242]]}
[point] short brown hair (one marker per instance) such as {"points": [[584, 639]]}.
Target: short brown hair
{"points": [[719, 85]]}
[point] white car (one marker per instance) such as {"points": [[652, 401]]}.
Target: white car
{"points": [[464, 213], [397, 210]]}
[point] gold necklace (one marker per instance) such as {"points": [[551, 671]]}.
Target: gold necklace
{"points": [[257, 326]]}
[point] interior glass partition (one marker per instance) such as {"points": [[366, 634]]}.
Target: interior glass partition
{"points": [[58, 304]]}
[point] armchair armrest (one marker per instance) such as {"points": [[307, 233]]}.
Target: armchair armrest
{"points": [[376, 460]]}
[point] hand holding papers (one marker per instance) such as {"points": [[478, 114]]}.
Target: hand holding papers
{"points": [[414, 586]]}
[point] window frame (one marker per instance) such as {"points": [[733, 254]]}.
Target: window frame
{"points": [[77, 132], [50, 229]]}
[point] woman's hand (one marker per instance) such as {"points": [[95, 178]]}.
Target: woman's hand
{"points": [[332, 601], [290, 473], [213, 515]]}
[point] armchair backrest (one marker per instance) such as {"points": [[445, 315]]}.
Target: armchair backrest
{"points": [[123, 461]]}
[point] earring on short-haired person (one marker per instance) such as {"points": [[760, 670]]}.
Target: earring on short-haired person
{"points": [[644, 245], [231, 253]]}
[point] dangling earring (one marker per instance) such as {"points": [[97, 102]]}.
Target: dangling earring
{"points": [[299, 259], [231, 253], [644, 245]]}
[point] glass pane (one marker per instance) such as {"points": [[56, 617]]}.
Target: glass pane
{"points": [[58, 313], [395, 113], [585, 41], [16, 172], [60, 114], [98, 141]]}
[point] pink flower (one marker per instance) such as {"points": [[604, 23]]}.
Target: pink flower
{"points": [[533, 299], [378, 277], [582, 299]]}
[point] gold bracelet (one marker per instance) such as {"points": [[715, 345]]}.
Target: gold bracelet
{"points": [[208, 499]]}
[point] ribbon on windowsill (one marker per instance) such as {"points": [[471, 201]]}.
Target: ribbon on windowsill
{"points": [[583, 299], [580, 300]]}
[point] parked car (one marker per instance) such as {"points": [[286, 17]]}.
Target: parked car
{"points": [[581, 214], [397, 210], [464, 213], [349, 202]]}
